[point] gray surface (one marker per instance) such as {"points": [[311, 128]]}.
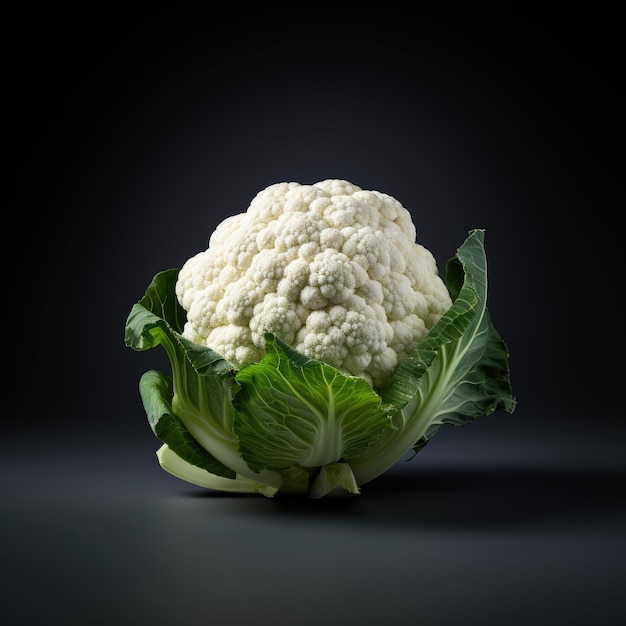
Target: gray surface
{"points": [[488, 525]]}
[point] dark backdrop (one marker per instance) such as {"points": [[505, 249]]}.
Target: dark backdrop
{"points": [[134, 139]]}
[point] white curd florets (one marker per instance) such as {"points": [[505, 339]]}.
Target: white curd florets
{"points": [[330, 268]]}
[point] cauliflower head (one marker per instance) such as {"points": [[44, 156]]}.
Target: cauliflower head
{"points": [[331, 269]]}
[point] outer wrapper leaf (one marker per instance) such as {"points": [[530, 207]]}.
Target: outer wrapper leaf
{"points": [[156, 393], [300, 411], [157, 319], [458, 373]]}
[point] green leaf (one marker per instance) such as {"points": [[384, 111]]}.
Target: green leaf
{"points": [[157, 320], [158, 311], [157, 393], [294, 410], [458, 373]]}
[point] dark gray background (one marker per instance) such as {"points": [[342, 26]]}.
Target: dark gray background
{"points": [[134, 139]]}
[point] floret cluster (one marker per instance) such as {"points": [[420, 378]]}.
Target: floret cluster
{"points": [[331, 269]]}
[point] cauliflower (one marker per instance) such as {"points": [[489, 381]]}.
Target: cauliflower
{"points": [[289, 340], [331, 269]]}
